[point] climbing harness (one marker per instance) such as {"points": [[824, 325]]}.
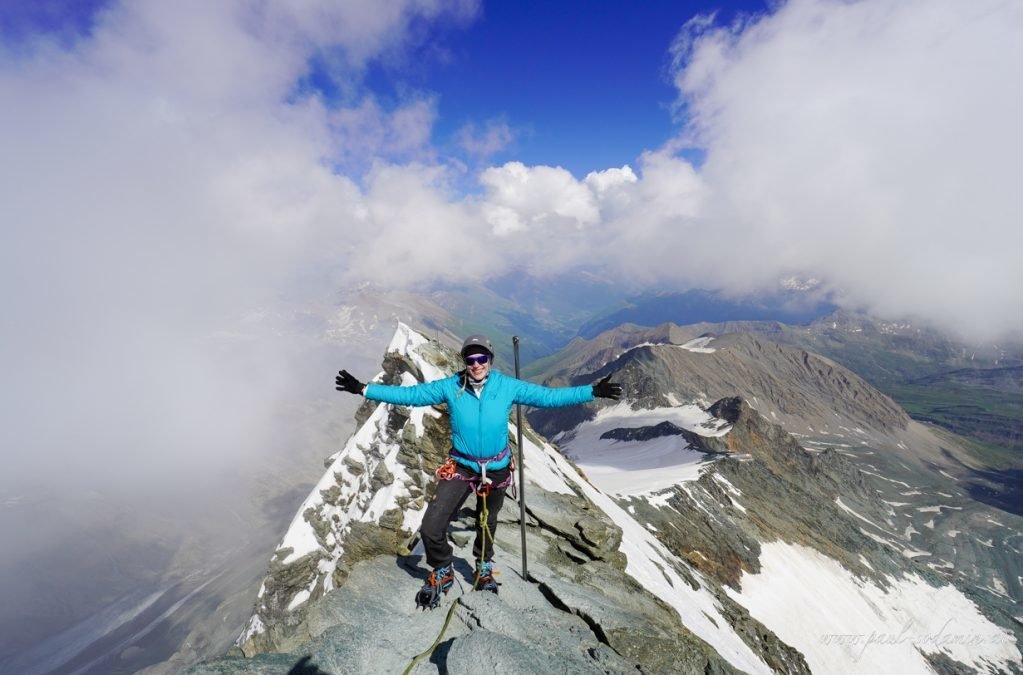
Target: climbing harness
{"points": [[449, 470]]}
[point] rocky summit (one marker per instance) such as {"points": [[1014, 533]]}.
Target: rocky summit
{"points": [[744, 510]]}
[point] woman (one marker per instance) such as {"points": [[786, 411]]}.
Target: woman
{"points": [[479, 401]]}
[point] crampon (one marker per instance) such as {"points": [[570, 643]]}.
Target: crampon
{"points": [[440, 581], [485, 577]]}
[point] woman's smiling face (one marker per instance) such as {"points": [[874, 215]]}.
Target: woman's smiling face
{"points": [[478, 365]]}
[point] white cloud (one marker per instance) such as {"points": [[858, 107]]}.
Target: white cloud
{"points": [[414, 230], [873, 144], [604, 182], [483, 143], [361, 133], [540, 196]]}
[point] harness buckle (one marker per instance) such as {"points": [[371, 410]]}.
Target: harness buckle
{"points": [[483, 489]]}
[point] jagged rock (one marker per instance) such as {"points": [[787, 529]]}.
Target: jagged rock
{"points": [[632, 622], [779, 656], [371, 625], [382, 477], [787, 493], [502, 654], [355, 467], [593, 534], [802, 389]]}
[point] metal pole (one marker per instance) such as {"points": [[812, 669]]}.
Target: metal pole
{"points": [[522, 465]]}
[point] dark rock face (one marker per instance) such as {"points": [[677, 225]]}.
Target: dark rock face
{"points": [[645, 433], [581, 527]]}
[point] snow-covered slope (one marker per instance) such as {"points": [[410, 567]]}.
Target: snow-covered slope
{"points": [[842, 623]]}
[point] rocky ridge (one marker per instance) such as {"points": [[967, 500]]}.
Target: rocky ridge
{"points": [[685, 550], [804, 392]]}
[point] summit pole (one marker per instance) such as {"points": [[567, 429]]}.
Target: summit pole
{"points": [[522, 465]]}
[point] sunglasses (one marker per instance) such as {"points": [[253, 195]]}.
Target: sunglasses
{"points": [[477, 359]]}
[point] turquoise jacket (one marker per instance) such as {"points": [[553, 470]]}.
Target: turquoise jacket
{"points": [[479, 426]]}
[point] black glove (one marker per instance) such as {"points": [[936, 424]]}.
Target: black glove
{"points": [[606, 389], [345, 382]]}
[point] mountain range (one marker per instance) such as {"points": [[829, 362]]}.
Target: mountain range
{"points": [[179, 593]]}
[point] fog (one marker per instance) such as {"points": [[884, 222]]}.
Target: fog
{"points": [[170, 190]]}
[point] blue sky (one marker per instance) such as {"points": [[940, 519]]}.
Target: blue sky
{"points": [[582, 85], [68, 18]]}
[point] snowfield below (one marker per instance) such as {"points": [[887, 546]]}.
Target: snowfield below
{"points": [[640, 467]]}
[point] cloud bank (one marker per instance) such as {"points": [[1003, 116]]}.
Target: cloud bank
{"points": [[872, 144]]}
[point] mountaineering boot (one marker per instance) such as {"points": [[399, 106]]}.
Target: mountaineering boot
{"points": [[439, 582], [485, 577]]}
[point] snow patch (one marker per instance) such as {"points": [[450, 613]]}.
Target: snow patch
{"points": [[699, 345], [890, 480], [844, 624], [914, 553], [299, 598], [838, 501], [937, 508]]}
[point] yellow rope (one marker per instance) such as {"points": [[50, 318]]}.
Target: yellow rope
{"points": [[485, 527]]}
